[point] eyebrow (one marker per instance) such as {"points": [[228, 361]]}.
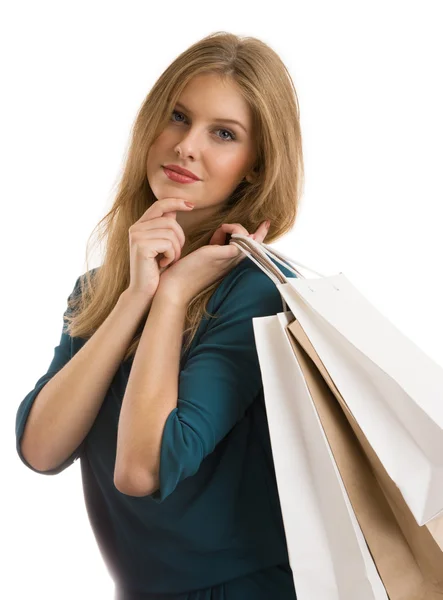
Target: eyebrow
{"points": [[219, 119]]}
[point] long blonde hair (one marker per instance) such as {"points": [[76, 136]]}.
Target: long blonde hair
{"points": [[275, 194]]}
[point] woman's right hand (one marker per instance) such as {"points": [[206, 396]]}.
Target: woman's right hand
{"points": [[156, 232]]}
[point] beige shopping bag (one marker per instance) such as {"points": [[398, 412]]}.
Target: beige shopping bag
{"points": [[409, 557]]}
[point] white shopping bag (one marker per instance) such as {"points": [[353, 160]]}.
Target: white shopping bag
{"points": [[393, 390], [327, 551]]}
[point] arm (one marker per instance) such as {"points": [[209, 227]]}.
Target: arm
{"points": [[150, 396], [65, 406], [173, 420]]}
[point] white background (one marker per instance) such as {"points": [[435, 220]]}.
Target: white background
{"points": [[369, 81]]}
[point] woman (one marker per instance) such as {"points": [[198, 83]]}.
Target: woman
{"points": [[155, 384]]}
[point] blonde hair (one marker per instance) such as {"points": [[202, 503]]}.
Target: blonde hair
{"points": [[274, 194]]}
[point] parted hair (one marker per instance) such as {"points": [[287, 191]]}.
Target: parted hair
{"points": [[275, 193]]}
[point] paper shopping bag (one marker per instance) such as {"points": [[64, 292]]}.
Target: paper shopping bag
{"points": [[407, 556], [392, 389], [327, 552]]}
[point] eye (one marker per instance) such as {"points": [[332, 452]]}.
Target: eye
{"points": [[232, 138], [223, 139], [175, 112]]}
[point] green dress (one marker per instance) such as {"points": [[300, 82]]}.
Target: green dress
{"points": [[214, 528]]}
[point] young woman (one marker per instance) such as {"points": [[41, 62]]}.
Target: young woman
{"points": [[155, 384]]}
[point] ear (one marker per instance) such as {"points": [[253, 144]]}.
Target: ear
{"points": [[251, 176]]}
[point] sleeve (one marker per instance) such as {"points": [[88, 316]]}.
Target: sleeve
{"points": [[62, 354], [219, 381]]}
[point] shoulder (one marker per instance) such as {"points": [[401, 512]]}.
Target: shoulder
{"points": [[249, 288], [248, 272], [82, 278], [81, 282]]}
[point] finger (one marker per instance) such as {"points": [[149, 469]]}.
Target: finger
{"points": [[234, 228], [261, 233], [229, 252], [165, 234], [165, 247], [161, 207], [219, 236], [162, 222], [155, 242]]}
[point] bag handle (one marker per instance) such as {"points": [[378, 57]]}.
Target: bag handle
{"points": [[259, 253]]}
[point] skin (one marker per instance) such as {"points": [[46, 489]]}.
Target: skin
{"points": [[221, 154], [195, 141], [152, 390]]}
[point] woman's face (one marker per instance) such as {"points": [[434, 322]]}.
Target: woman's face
{"points": [[220, 153]]}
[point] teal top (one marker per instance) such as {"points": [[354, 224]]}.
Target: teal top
{"points": [[216, 515]]}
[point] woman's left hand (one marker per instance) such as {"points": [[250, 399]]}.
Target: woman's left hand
{"points": [[183, 280]]}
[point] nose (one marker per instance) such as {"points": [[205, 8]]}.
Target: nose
{"points": [[191, 143]]}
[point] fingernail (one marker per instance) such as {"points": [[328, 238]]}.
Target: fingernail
{"points": [[190, 204], [268, 223]]}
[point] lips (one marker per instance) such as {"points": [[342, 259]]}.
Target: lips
{"points": [[182, 171]]}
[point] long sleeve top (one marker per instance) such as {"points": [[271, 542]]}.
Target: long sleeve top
{"points": [[216, 515]]}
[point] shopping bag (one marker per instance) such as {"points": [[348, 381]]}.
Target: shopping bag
{"points": [[327, 552], [392, 388], [408, 557]]}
